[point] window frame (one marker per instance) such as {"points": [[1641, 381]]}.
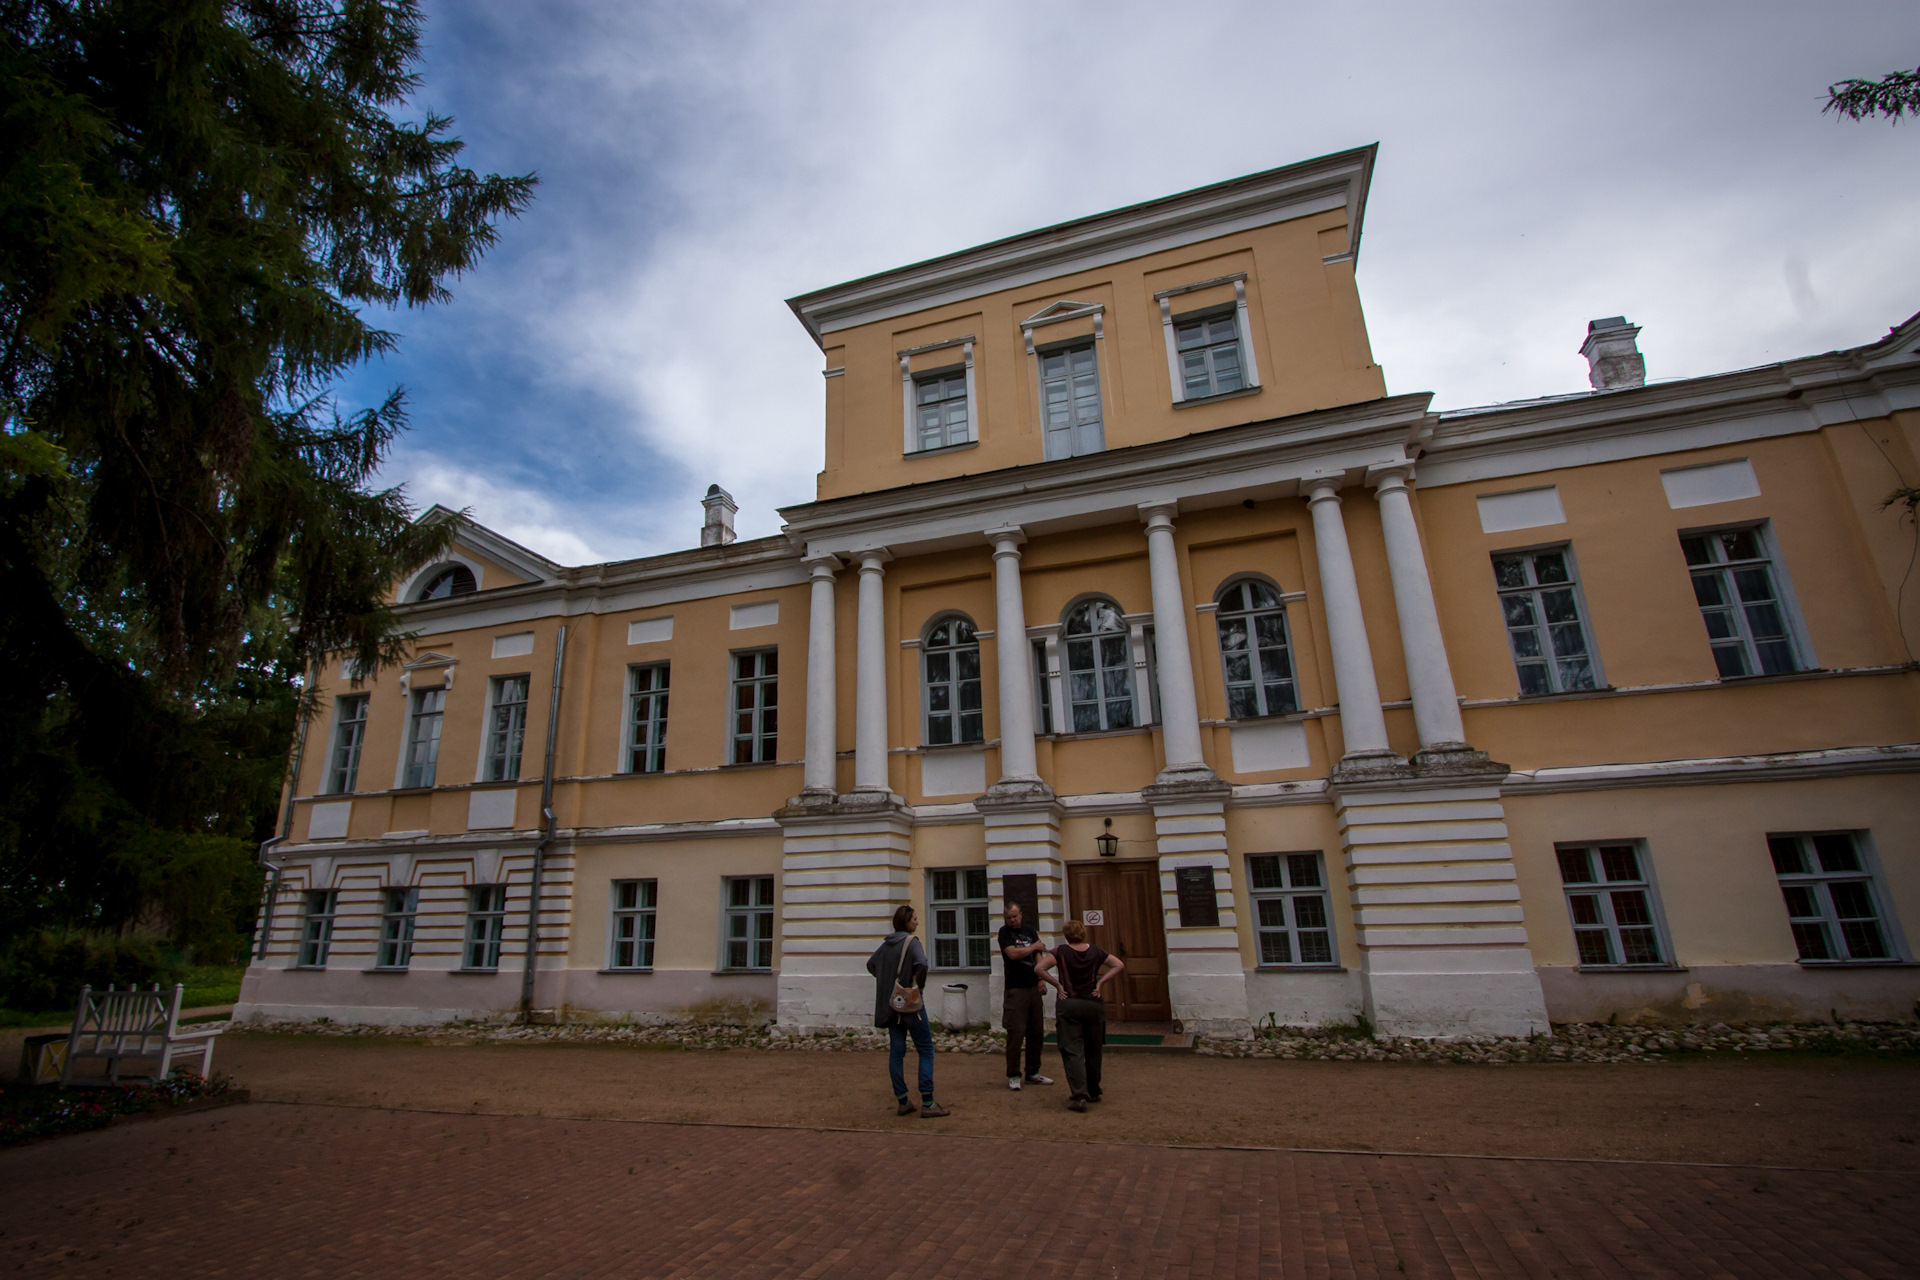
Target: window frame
{"points": [[645, 912], [1092, 433], [657, 700], [1602, 890], [1133, 656], [1206, 317], [1255, 664], [493, 729], [1045, 673], [954, 684], [477, 933], [751, 911], [766, 746], [1288, 892], [349, 736], [322, 908], [1868, 874], [963, 904], [397, 923], [409, 775], [1243, 328], [1540, 625], [1793, 625], [956, 375], [910, 380]]}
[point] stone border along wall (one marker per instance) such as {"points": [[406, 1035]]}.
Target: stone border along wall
{"points": [[1568, 1043]]}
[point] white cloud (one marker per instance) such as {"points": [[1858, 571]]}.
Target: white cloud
{"points": [[531, 517]]}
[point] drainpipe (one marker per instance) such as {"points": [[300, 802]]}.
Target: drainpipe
{"points": [[546, 832], [286, 822]]}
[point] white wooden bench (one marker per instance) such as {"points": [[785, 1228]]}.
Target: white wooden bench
{"points": [[140, 1025]]}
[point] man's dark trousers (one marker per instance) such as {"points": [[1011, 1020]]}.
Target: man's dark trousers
{"points": [[1022, 1013], [1081, 1026]]}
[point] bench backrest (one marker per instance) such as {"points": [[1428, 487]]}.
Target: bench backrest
{"points": [[123, 1016]]}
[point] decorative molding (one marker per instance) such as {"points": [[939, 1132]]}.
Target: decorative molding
{"points": [[1839, 762]]}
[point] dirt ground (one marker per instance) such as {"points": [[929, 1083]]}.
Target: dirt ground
{"points": [[1816, 1113]]}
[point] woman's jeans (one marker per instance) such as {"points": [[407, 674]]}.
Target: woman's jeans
{"points": [[916, 1024], [1081, 1028]]}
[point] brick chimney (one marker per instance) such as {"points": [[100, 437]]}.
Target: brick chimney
{"points": [[1613, 357], [718, 530]]}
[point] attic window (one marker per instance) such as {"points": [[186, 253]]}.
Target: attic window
{"points": [[454, 580]]}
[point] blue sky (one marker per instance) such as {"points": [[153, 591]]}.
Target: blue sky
{"points": [[1541, 164]]}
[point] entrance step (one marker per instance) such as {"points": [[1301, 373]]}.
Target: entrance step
{"points": [[1137, 1037]]}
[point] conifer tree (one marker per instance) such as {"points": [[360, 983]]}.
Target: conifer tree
{"points": [[199, 201]]}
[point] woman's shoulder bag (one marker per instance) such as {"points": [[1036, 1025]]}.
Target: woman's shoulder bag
{"points": [[905, 999]]}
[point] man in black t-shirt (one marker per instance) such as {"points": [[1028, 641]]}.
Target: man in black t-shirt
{"points": [[1022, 1009]]}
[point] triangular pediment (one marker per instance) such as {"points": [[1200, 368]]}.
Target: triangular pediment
{"points": [[1058, 310]]}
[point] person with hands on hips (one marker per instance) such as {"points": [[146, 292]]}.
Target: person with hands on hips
{"points": [[1080, 1014]]}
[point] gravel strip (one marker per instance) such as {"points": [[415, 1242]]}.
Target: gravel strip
{"points": [[1571, 1042]]}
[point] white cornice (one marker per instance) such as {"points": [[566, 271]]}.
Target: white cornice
{"points": [[1839, 762], [1213, 468], [502, 550], [1329, 182]]}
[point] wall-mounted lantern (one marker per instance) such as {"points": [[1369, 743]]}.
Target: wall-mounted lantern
{"points": [[1109, 843]]}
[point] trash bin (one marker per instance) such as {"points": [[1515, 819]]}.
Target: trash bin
{"points": [[953, 1006], [42, 1057]]}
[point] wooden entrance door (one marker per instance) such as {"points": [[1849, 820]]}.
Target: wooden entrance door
{"points": [[1125, 898]]}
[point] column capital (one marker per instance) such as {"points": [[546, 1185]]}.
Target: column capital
{"points": [[1390, 477], [1006, 539], [872, 559], [1159, 513], [822, 564], [1323, 486]]}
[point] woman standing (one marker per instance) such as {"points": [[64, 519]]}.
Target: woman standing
{"points": [[902, 961], [1080, 1015]]}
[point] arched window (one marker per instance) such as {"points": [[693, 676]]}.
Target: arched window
{"points": [[950, 675], [454, 580], [1254, 649], [1099, 667]]}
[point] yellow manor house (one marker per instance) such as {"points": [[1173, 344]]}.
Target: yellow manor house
{"points": [[1130, 594]]}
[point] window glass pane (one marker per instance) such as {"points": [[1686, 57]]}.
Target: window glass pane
{"points": [[1575, 866], [1316, 948], [1595, 946], [1265, 872], [1851, 900], [1812, 941], [1836, 852], [1620, 861], [1510, 571], [1551, 566], [1803, 901], [1303, 869]]}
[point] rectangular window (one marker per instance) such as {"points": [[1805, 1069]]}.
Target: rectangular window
{"points": [[634, 903], [940, 409], [508, 731], [349, 731], [1209, 348], [756, 716], [962, 932], [749, 924], [423, 737], [396, 928], [1831, 900], [1070, 402], [486, 925], [1610, 897], [316, 931], [1043, 700], [1291, 918], [647, 718], [1540, 601], [1734, 583]]}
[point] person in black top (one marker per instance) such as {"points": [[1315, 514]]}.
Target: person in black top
{"points": [[1080, 1015], [1022, 1010]]}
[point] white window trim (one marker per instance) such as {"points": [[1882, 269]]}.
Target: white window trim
{"points": [[727, 909], [1059, 313], [307, 915], [919, 646], [1325, 891], [466, 928], [1654, 906], [734, 681], [614, 912], [333, 745], [960, 905], [1242, 320], [1146, 680], [406, 737], [909, 432], [624, 753], [1211, 609], [1863, 843], [1586, 619], [411, 917], [1048, 635], [1782, 583], [486, 726]]}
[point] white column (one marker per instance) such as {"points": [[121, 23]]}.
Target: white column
{"points": [[1362, 724], [1179, 708], [870, 684], [1017, 762], [1436, 708], [823, 729]]}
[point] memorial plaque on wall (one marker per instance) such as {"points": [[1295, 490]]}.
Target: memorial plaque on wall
{"points": [[1025, 890], [1194, 888]]}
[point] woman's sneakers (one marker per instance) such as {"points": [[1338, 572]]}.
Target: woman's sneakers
{"points": [[1037, 1078], [906, 1108], [1013, 1083], [933, 1111]]}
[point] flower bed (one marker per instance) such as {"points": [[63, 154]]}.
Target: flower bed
{"points": [[44, 1110]]}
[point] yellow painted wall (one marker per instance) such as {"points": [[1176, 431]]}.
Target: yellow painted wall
{"points": [[1308, 334]]}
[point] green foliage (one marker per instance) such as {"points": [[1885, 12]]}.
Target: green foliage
{"points": [[198, 198], [44, 970], [1891, 96]]}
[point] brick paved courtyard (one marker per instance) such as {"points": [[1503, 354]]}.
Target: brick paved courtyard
{"points": [[302, 1190]]}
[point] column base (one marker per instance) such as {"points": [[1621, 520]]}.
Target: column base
{"points": [[1195, 782], [1013, 792], [1371, 766], [1455, 760]]}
